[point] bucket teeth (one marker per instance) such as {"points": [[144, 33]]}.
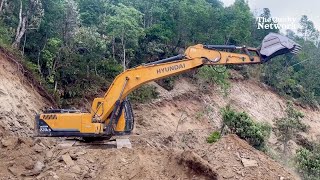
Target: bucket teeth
{"points": [[298, 46], [296, 49]]}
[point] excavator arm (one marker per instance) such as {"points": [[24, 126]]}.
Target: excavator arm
{"points": [[112, 113]]}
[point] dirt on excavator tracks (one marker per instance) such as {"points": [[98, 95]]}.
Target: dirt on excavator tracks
{"points": [[169, 140]]}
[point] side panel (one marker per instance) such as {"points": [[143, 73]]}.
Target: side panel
{"points": [[88, 127], [63, 121], [67, 125]]}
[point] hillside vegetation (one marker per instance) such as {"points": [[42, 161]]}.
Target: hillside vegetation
{"points": [[169, 139], [77, 47]]}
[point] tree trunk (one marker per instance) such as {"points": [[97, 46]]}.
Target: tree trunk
{"points": [[95, 68], [24, 43], [124, 57], [38, 62], [144, 21], [20, 20], [285, 148], [113, 48], [1, 5], [124, 52], [55, 86], [88, 69], [38, 58], [21, 29], [222, 129]]}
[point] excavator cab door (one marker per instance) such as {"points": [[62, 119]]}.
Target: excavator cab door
{"points": [[275, 44]]}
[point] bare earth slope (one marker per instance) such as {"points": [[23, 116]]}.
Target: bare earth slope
{"points": [[169, 140], [19, 101]]}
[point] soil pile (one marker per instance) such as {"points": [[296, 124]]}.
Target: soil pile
{"points": [[234, 158]]}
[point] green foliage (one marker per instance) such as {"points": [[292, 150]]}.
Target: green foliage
{"points": [[214, 75], [144, 94], [124, 24], [237, 21], [297, 76], [81, 41], [49, 55], [167, 83], [30, 66], [308, 29], [214, 137], [203, 112], [286, 128], [308, 163], [256, 134], [90, 11], [5, 36], [109, 69]]}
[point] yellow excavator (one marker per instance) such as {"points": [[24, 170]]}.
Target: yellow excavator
{"points": [[112, 114]]}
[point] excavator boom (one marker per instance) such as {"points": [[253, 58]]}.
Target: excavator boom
{"points": [[112, 113]]}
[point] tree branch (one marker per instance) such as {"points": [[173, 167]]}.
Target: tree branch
{"points": [[1, 5]]}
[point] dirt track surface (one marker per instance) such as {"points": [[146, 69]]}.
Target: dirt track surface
{"points": [[169, 140], [24, 158]]}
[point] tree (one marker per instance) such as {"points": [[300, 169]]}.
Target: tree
{"points": [[71, 21], [91, 11], [51, 55], [91, 45], [72, 39], [237, 20], [259, 34], [286, 128], [308, 162], [308, 31], [240, 123], [30, 16], [1, 5], [125, 24]]}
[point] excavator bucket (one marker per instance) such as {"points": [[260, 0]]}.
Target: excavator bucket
{"points": [[275, 44]]}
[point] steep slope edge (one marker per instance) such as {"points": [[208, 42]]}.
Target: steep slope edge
{"points": [[19, 96]]}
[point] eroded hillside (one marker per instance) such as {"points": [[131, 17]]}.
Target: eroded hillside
{"points": [[20, 101], [169, 140]]}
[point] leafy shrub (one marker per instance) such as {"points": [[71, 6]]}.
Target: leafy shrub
{"points": [[214, 137], [286, 128], [298, 82], [308, 163], [256, 134], [5, 36], [109, 69], [214, 75], [144, 94], [167, 83]]}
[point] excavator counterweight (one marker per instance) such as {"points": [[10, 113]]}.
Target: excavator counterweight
{"points": [[112, 114]]}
